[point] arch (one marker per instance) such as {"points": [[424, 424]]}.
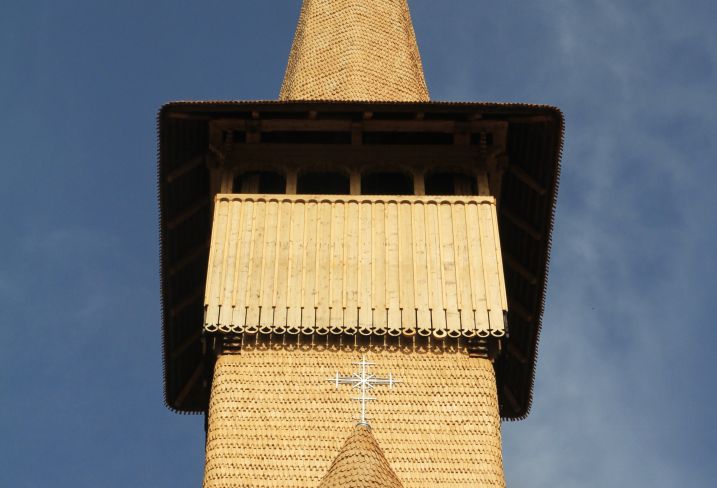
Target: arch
{"points": [[450, 182], [323, 183], [387, 183], [270, 182]]}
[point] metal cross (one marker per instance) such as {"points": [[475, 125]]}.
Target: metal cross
{"points": [[365, 382]]}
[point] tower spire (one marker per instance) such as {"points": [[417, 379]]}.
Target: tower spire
{"points": [[354, 50]]}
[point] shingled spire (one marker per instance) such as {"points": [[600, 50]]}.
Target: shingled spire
{"points": [[360, 464], [355, 50]]}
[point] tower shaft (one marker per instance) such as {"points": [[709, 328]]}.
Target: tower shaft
{"points": [[442, 427], [355, 50]]}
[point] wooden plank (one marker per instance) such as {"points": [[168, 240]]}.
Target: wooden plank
{"points": [[406, 266], [337, 262], [281, 270], [322, 286], [448, 268], [189, 385], [366, 238], [499, 258], [305, 125], [516, 266], [490, 265], [521, 223], [186, 343], [336, 125], [378, 265], [231, 244], [435, 269], [311, 154], [243, 262], [190, 256], [351, 281], [253, 282], [296, 265], [463, 273], [308, 280], [185, 167], [268, 268], [527, 179], [421, 295], [216, 260], [478, 279], [393, 279], [187, 213]]}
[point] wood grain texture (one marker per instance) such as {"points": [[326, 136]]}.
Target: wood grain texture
{"points": [[373, 264], [274, 420]]}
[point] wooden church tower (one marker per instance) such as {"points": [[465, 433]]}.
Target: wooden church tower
{"points": [[354, 224]]}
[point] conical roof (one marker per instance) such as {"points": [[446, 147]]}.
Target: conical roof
{"points": [[354, 50], [360, 464]]}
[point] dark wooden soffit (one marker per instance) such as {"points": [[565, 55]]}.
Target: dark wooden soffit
{"points": [[528, 194]]}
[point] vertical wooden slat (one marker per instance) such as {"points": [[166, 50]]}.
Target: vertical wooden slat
{"points": [[490, 264], [282, 270], [448, 260], [406, 266], [393, 280], [480, 306], [256, 254], [268, 268], [322, 286], [296, 264], [231, 244], [337, 262], [421, 267], [308, 283], [351, 290], [461, 243], [499, 258], [366, 237], [243, 261], [433, 253], [378, 275], [215, 272]]}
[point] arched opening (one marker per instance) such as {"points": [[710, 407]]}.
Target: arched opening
{"points": [[386, 183], [260, 182], [449, 183], [323, 183]]}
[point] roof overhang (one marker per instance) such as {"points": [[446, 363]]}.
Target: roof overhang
{"points": [[527, 195]]}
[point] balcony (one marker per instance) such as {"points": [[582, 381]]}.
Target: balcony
{"points": [[367, 265]]}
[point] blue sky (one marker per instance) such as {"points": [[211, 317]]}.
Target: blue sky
{"points": [[625, 387]]}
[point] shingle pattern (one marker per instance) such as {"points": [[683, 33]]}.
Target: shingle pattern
{"points": [[354, 50], [361, 463], [275, 420]]}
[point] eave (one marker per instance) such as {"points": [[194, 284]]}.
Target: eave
{"points": [[528, 193]]}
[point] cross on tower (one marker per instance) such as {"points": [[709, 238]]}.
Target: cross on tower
{"points": [[365, 382]]}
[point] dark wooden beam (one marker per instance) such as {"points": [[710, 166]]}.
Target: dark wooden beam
{"points": [[188, 212], [521, 223], [527, 180], [516, 266], [377, 154], [184, 168], [418, 124], [189, 385], [189, 257], [514, 351], [182, 346], [520, 310], [197, 294], [508, 395]]}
